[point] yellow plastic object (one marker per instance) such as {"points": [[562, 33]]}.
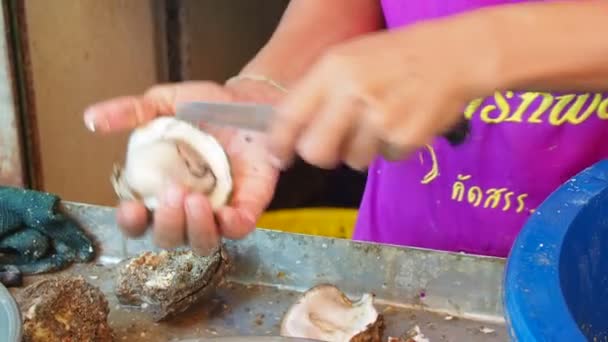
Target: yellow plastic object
{"points": [[329, 222]]}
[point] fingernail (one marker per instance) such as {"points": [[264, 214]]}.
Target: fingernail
{"points": [[191, 204], [273, 156], [249, 218], [202, 251], [174, 197], [275, 162], [225, 220], [207, 247], [89, 120]]}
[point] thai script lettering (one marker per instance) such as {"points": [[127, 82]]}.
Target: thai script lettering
{"points": [[493, 198], [557, 110]]}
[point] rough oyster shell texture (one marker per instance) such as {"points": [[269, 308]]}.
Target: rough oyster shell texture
{"points": [[64, 309], [169, 282]]}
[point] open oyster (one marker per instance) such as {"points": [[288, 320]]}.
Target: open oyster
{"points": [[170, 150], [325, 313]]}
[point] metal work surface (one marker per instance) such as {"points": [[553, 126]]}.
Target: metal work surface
{"points": [[451, 297]]}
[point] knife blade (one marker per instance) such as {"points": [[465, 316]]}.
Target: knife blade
{"points": [[258, 117], [239, 115]]}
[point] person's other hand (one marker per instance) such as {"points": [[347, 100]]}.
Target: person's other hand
{"points": [[387, 93], [185, 216]]}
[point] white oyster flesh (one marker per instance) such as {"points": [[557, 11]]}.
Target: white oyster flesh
{"points": [[168, 150], [324, 313]]}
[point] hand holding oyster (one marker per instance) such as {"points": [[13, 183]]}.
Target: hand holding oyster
{"points": [[167, 150], [206, 203]]}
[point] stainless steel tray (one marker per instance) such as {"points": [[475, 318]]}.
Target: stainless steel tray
{"points": [[451, 297]]}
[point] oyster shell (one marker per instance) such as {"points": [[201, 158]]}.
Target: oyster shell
{"points": [[169, 150], [169, 282], [325, 313], [64, 309]]}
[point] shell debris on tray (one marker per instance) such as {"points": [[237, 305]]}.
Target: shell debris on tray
{"points": [[167, 150], [325, 313], [412, 335]]}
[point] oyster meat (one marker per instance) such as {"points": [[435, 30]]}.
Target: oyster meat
{"points": [[64, 309], [168, 150], [325, 313], [169, 282]]}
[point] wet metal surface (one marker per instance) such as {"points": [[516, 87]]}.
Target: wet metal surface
{"points": [[11, 163], [451, 297]]}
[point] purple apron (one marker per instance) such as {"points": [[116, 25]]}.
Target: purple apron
{"points": [[475, 197]]}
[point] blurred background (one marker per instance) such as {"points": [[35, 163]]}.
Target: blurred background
{"points": [[60, 56]]}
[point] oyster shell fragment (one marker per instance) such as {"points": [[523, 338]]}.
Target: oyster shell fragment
{"points": [[325, 313], [412, 335], [167, 150]]}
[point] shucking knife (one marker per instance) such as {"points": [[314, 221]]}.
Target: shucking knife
{"points": [[255, 117], [258, 117]]}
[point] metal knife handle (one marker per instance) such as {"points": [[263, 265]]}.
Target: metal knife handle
{"points": [[459, 133]]}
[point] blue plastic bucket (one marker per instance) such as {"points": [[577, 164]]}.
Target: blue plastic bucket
{"points": [[556, 277]]}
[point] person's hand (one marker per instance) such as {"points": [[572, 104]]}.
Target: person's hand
{"points": [[387, 93], [184, 216]]}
